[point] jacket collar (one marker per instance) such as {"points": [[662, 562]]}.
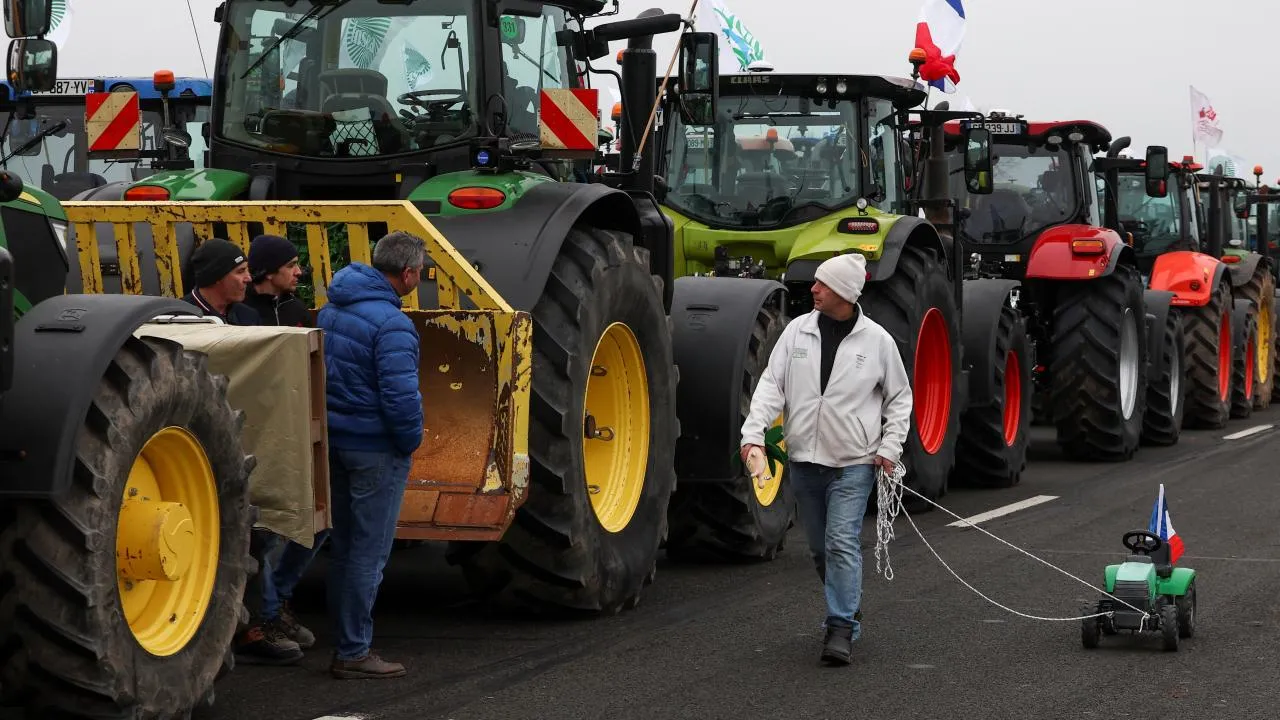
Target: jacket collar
{"points": [[810, 322]]}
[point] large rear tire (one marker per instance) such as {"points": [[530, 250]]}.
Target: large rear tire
{"points": [[992, 449], [1098, 369], [158, 457], [1244, 356], [602, 434], [1208, 361], [916, 305], [1166, 392], [736, 520], [1261, 291]]}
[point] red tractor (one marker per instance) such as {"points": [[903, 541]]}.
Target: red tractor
{"points": [[1038, 221]]}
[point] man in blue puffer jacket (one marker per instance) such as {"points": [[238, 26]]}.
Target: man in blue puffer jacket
{"points": [[375, 424]]}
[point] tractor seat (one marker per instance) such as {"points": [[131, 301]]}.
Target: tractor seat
{"points": [[65, 186]]}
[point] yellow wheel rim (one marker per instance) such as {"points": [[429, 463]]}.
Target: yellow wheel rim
{"points": [[167, 541], [1264, 343], [615, 421], [767, 494]]}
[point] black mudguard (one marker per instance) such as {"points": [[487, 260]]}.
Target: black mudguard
{"points": [[514, 249], [802, 271], [1242, 272], [1157, 304], [7, 321], [713, 318], [114, 192], [63, 347], [979, 322]]}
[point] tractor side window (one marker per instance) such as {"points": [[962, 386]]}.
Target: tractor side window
{"points": [[1191, 197], [1154, 222], [532, 59], [883, 161]]}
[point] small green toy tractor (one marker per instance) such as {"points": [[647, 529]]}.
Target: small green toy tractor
{"points": [[1164, 595]]}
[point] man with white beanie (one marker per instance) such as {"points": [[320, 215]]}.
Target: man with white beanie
{"points": [[839, 381]]}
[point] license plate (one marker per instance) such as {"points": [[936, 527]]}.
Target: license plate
{"points": [[71, 86], [1001, 128]]}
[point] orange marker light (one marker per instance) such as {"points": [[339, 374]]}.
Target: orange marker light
{"points": [[163, 80], [1088, 247], [147, 193]]}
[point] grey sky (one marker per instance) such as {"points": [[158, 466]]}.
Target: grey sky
{"points": [[1124, 63]]}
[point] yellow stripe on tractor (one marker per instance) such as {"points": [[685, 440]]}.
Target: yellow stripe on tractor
{"points": [[472, 470]]}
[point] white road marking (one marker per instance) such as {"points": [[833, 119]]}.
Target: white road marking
{"points": [[343, 717], [1246, 433], [1014, 507]]}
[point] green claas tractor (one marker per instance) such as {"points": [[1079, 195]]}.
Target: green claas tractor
{"points": [[1145, 593], [476, 114], [797, 168], [125, 519]]}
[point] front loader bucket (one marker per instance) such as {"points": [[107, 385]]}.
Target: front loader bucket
{"points": [[471, 472]]}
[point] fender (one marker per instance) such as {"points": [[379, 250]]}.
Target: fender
{"points": [[1190, 276], [514, 249], [107, 253], [1051, 257], [908, 229], [713, 318], [1241, 267], [982, 302], [62, 348], [1157, 304]]}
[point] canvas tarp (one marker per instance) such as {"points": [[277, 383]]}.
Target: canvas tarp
{"points": [[270, 370]]}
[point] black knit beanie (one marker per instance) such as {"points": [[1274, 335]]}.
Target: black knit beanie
{"points": [[213, 260], [269, 253]]}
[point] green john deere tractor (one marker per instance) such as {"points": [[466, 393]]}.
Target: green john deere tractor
{"points": [[797, 168], [125, 520], [494, 144]]}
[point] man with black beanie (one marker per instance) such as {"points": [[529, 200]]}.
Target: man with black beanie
{"points": [[220, 276], [274, 269]]}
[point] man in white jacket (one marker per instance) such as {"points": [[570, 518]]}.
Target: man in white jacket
{"points": [[839, 381]]}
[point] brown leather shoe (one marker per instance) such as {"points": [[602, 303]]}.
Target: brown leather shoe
{"points": [[370, 666]]}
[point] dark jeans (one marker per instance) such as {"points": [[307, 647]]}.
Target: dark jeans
{"points": [[367, 489], [285, 569], [832, 503]]}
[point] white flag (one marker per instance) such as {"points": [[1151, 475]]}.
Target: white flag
{"points": [[738, 46], [1204, 120]]}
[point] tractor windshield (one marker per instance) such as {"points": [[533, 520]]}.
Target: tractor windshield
{"points": [[780, 160], [1034, 188], [360, 78], [1155, 222]]}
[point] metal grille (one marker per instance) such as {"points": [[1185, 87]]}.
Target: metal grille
{"points": [[356, 130]]}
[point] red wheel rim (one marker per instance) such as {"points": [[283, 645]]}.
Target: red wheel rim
{"points": [[1249, 369], [931, 381], [1224, 356], [1012, 397]]}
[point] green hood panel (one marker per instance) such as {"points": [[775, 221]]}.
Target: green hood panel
{"points": [[696, 243], [38, 201], [513, 185], [204, 184]]}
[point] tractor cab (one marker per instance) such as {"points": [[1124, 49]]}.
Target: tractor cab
{"points": [[1039, 180], [1156, 213], [786, 149]]}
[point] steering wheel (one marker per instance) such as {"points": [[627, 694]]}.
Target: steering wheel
{"points": [[417, 98], [1148, 545]]}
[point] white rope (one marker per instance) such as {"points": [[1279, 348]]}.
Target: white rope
{"points": [[889, 503]]}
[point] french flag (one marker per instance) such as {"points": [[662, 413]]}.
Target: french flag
{"points": [[1161, 525], [938, 34]]}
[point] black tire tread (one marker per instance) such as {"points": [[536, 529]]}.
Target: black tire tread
{"points": [[1261, 291], [1205, 408], [983, 458], [1242, 404], [1162, 423]]}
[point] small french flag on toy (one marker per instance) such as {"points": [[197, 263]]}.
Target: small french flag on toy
{"points": [[1160, 525]]}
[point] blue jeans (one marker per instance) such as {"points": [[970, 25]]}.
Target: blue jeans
{"points": [[367, 489], [832, 503], [284, 569]]}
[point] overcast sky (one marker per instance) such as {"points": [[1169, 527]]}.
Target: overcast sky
{"points": [[1124, 63]]}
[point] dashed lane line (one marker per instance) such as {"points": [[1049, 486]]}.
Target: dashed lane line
{"points": [[1247, 432], [1004, 510]]}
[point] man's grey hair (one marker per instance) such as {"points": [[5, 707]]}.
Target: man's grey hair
{"points": [[399, 251]]}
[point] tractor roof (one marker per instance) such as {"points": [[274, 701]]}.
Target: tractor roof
{"points": [[902, 92], [1093, 133]]}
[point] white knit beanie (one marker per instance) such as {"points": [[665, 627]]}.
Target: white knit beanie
{"points": [[845, 275]]}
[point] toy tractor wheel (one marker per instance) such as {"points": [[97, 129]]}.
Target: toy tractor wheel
{"points": [[602, 434], [1090, 629], [1169, 626], [1244, 343], [1186, 605], [121, 595], [1208, 361]]}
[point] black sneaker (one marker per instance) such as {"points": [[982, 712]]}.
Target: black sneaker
{"points": [[294, 630], [266, 644], [838, 646]]}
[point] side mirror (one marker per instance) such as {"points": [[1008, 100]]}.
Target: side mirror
{"points": [[977, 161], [27, 18], [699, 78], [33, 65], [1242, 209], [1157, 171]]}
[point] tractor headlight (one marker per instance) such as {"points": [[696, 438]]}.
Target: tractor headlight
{"points": [[60, 232]]}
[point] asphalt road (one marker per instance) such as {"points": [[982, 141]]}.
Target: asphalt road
{"points": [[743, 641]]}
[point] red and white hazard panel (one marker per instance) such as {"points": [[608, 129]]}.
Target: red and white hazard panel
{"points": [[113, 122], [567, 120]]}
